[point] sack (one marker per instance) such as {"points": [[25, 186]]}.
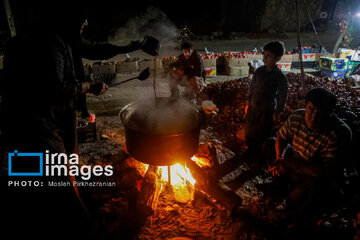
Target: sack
{"points": [[254, 64]]}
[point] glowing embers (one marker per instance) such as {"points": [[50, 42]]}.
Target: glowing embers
{"points": [[201, 161]]}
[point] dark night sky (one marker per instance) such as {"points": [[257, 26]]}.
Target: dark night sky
{"points": [[202, 17]]}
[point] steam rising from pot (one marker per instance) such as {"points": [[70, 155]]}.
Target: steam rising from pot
{"points": [[170, 116], [152, 22]]}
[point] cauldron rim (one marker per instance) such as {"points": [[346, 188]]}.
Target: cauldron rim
{"points": [[185, 132]]}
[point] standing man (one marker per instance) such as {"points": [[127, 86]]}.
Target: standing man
{"points": [[40, 85], [187, 71]]}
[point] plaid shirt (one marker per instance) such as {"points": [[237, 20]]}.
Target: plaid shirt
{"points": [[315, 145]]}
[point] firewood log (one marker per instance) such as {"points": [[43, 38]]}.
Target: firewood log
{"points": [[149, 192], [225, 196]]}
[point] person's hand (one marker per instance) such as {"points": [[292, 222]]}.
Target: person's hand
{"points": [[275, 168], [98, 88], [85, 87], [179, 72]]}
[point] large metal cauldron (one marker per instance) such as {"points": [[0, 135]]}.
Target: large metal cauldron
{"points": [[162, 148]]}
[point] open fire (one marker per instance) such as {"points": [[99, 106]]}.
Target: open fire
{"points": [[179, 174], [179, 177], [185, 178]]}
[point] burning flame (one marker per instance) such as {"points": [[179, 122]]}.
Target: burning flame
{"points": [[178, 174], [181, 180]]}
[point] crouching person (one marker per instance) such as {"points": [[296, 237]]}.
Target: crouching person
{"points": [[188, 71], [308, 151]]}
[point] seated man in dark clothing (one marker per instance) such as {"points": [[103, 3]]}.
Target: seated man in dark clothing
{"points": [[187, 71], [309, 147]]}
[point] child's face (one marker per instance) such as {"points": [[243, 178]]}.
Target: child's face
{"points": [[314, 117], [187, 52], [270, 59]]}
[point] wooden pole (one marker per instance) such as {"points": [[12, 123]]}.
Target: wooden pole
{"points": [[10, 18], [338, 42], [302, 76]]}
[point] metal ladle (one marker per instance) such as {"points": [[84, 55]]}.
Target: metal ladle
{"points": [[142, 76]]}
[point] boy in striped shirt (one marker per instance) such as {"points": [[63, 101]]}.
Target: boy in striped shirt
{"points": [[309, 147]]}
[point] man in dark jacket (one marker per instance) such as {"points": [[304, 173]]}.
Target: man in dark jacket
{"points": [[39, 88], [38, 114], [187, 71]]}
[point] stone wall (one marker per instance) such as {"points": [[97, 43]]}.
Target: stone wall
{"points": [[280, 15]]}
